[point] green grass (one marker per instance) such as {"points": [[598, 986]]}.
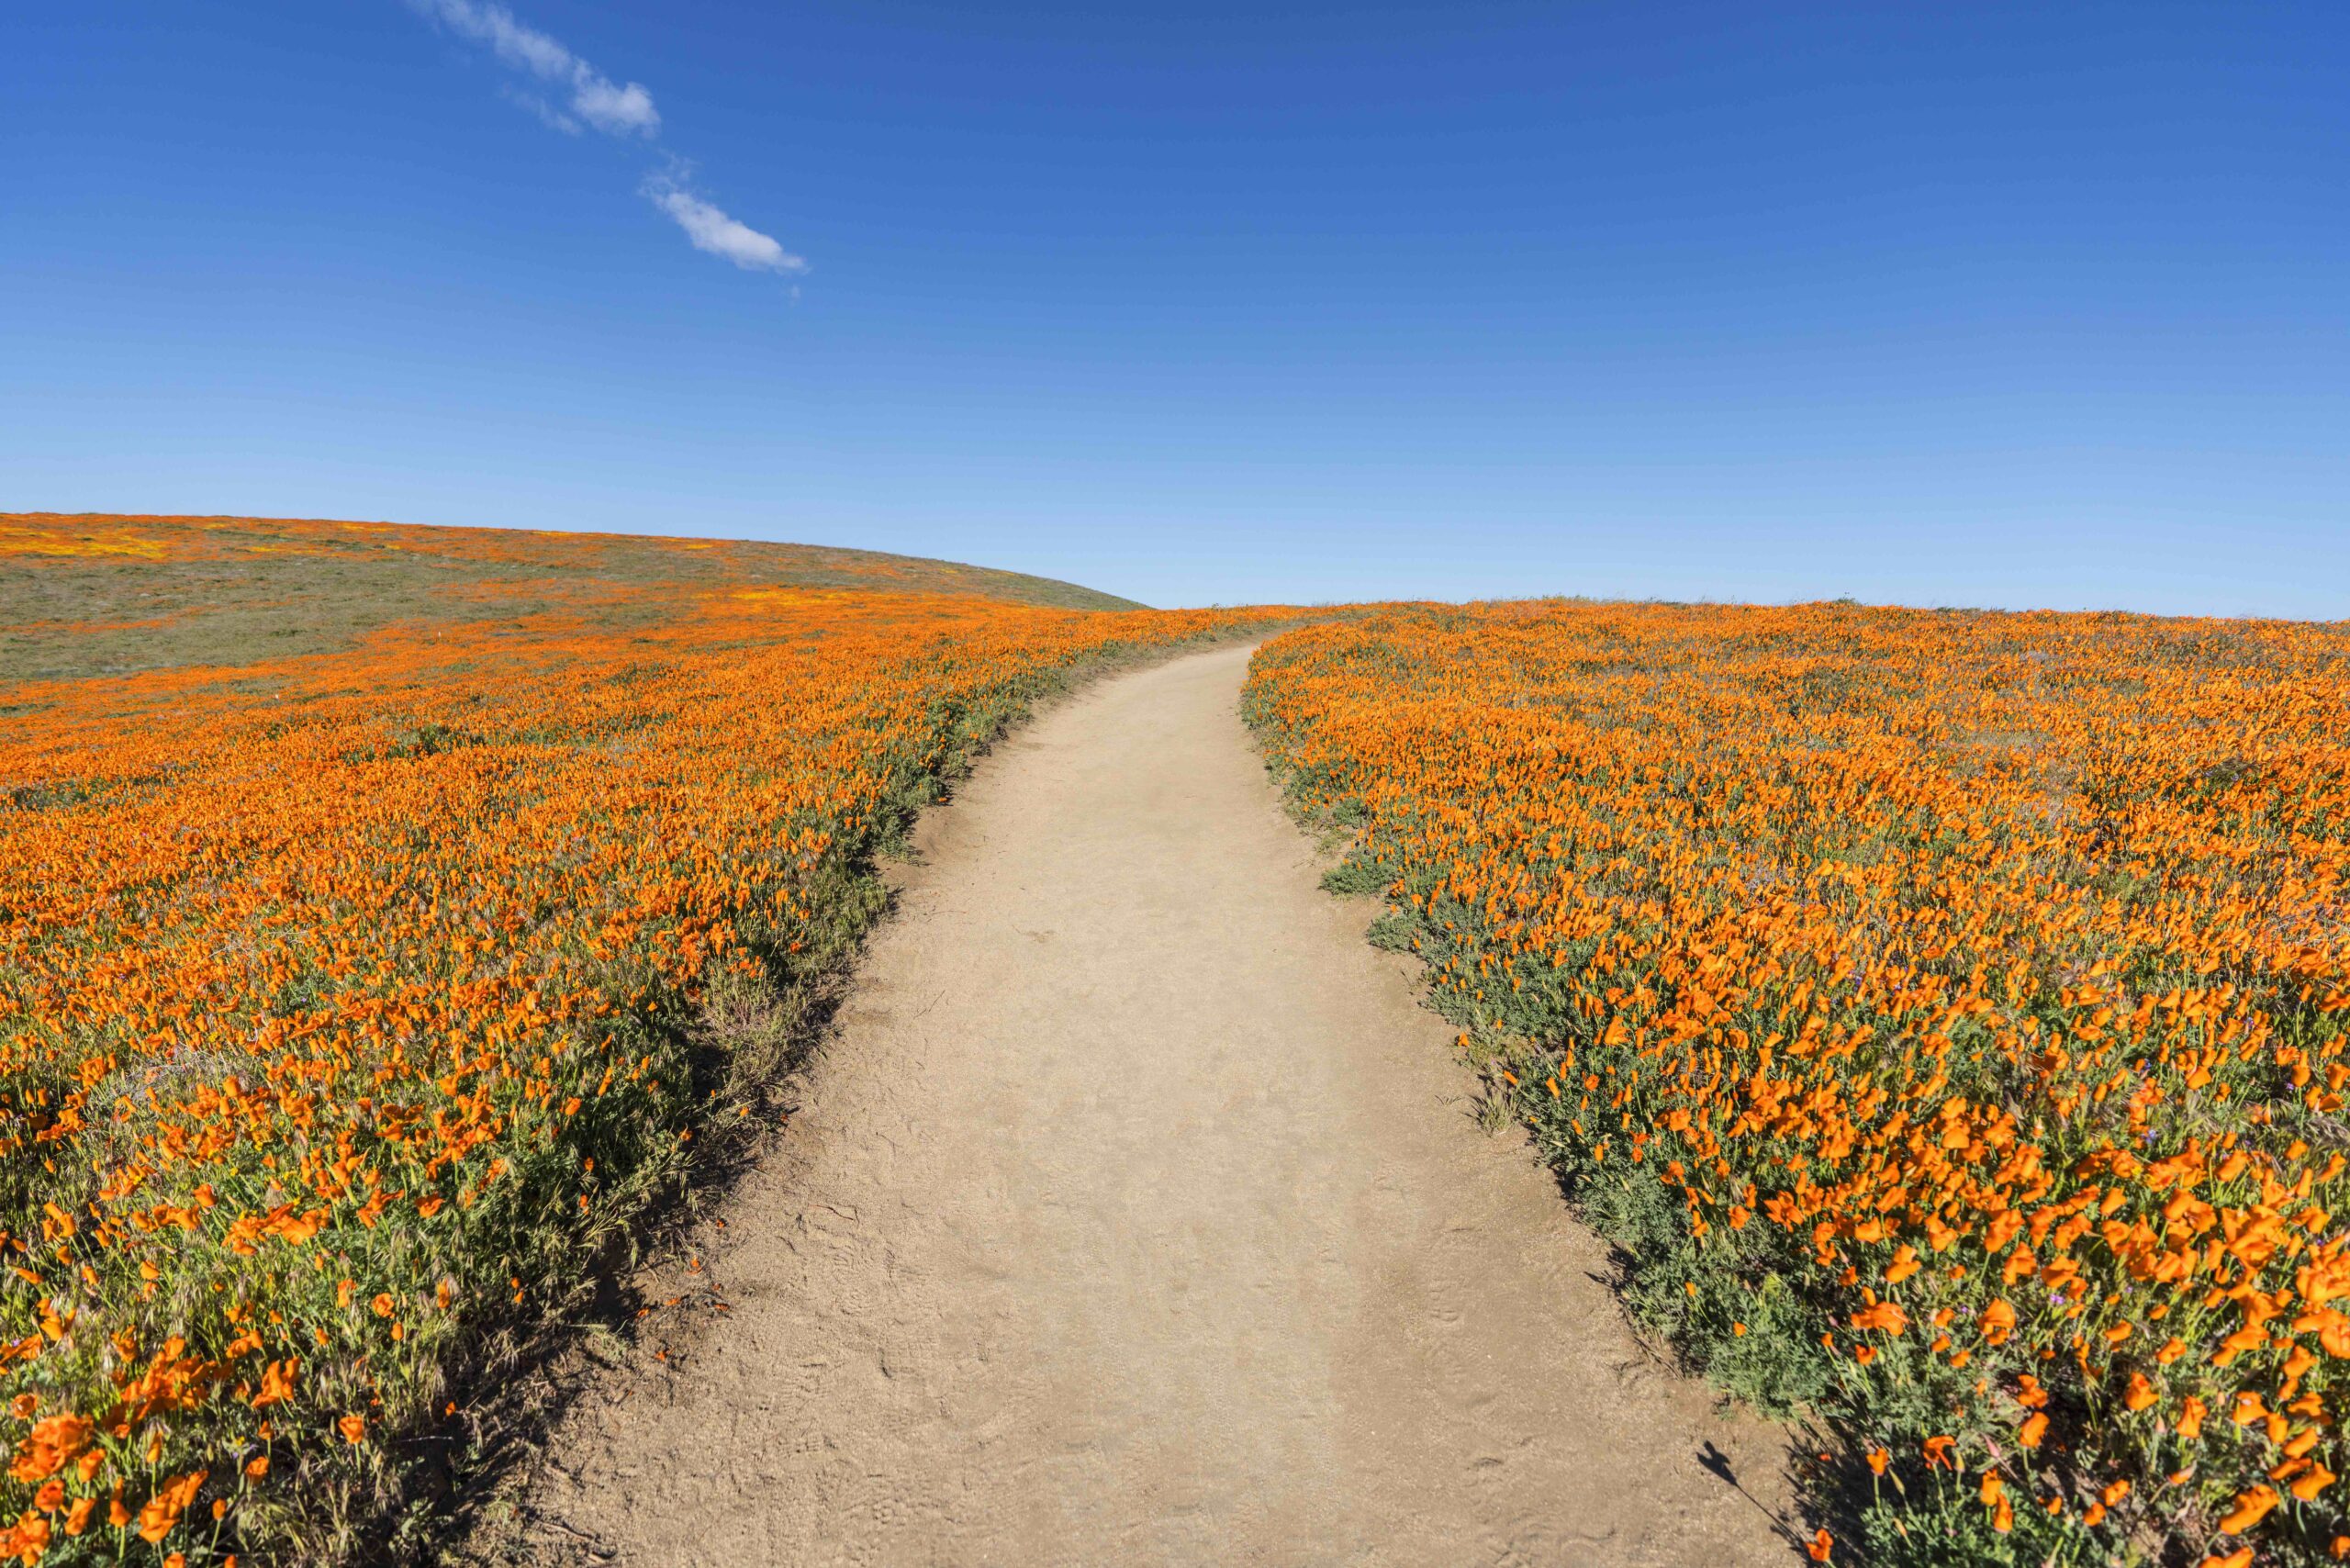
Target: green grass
{"points": [[234, 591]]}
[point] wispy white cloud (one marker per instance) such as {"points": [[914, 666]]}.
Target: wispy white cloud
{"points": [[591, 100], [618, 110], [595, 98], [547, 114], [709, 228]]}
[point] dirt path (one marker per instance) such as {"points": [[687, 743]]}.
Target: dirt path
{"points": [[1135, 1215]]}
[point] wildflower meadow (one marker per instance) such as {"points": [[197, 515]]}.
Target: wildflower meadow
{"points": [[1943, 1013], [353, 1003]]}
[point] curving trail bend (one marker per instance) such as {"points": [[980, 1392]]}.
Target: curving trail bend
{"points": [[1134, 1215]]}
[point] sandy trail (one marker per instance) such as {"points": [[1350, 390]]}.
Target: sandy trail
{"points": [[1135, 1215]]}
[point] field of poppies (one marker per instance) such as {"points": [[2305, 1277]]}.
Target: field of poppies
{"points": [[1944, 1013], [355, 999]]}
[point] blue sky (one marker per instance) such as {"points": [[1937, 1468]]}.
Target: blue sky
{"points": [[2014, 304]]}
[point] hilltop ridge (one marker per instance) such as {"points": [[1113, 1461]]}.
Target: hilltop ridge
{"points": [[106, 594]]}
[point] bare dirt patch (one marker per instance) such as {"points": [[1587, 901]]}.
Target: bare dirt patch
{"points": [[1135, 1214]]}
